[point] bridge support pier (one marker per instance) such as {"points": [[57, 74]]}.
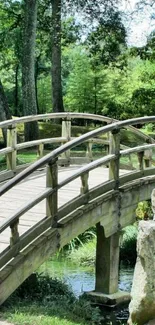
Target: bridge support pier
{"points": [[107, 262], [107, 269]]}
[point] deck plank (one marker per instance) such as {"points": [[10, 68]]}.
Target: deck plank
{"points": [[18, 196]]}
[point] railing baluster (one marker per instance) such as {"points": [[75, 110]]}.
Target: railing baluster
{"points": [[89, 153], [66, 133], [14, 233], [148, 157], [114, 149], [11, 142], [140, 156], [84, 183], [40, 150], [52, 200]]}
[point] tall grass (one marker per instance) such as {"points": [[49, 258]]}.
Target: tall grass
{"points": [[41, 300], [85, 254]]}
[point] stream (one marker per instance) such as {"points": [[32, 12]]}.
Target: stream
{"points": [[81, 279]]}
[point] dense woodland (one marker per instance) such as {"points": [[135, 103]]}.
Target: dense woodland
{"points": [[70, 55]]}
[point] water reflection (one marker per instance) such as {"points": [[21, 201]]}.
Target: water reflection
{"points": [[80, 278]]}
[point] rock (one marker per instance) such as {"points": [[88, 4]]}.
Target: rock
{"points": [[153, 202], [151, 322], [142, 305]]}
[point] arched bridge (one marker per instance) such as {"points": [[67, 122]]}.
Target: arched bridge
{"points": [[50, 202]]}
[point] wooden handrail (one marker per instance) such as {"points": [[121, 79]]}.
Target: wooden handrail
{"points": [[34, 143], [11, 125], [6, 150], [83, 170], [71, 144], [49, 116], [137, 149], [69, 116]]}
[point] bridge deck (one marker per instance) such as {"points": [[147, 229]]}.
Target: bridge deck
{"points": [[32, 186]]}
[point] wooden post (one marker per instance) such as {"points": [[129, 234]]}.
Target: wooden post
{"points": [[11, 142], [89, 151], [140, 156], [130, 161], [107, 249], [84, 183], [66, 133], [107, 257], [114, 148], [148, 157], [14, 233], [40, 150], [52, 200]]}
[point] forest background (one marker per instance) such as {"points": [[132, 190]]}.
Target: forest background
{"points": [[68, 55]]}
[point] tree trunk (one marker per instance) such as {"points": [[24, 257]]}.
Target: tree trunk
{"points": [[36, 81], [4, 109], [16, 112], [56, 57], [28, 67]]}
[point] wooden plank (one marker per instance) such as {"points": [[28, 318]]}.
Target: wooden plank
{"points": [[5, 175], [24, 209]]}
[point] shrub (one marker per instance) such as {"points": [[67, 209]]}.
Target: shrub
{"points": [[128, 252], [52, 297]]}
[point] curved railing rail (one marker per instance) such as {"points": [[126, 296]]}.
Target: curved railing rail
{"points": [[13, 147], [53, 214]]}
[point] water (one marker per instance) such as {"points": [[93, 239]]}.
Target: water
{"points": [[82, 279]]}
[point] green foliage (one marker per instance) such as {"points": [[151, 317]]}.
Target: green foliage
{"points": [[80, 83], [45, 298], [99, 75], [85, 255], [81, 240], [144, 210], [149, 127], [128, 245], [44, 94], [106, 42]]}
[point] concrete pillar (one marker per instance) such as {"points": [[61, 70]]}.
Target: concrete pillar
{"points": [[107, 262]]}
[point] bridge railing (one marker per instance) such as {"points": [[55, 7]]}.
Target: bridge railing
{"points": [[55, 215], [10, 152]]}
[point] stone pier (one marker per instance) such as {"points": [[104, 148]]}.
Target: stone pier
{"points": [[107, 268]]}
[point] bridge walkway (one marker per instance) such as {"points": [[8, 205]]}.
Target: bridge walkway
{"points": [[31, 186]]}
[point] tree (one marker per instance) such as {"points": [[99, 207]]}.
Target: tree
{"points": [[91, 10], [10, 39], [28, 66], [4, 108], [56, 56], [108, 40], [80, 96]]}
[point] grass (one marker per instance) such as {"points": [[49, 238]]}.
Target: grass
{"points": [[41, 300], [85, 255]]}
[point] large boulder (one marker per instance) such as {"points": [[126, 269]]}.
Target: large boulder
{"points": [[142, 305]]}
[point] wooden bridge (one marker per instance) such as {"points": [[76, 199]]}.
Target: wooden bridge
{"points": [[50, 202]]}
